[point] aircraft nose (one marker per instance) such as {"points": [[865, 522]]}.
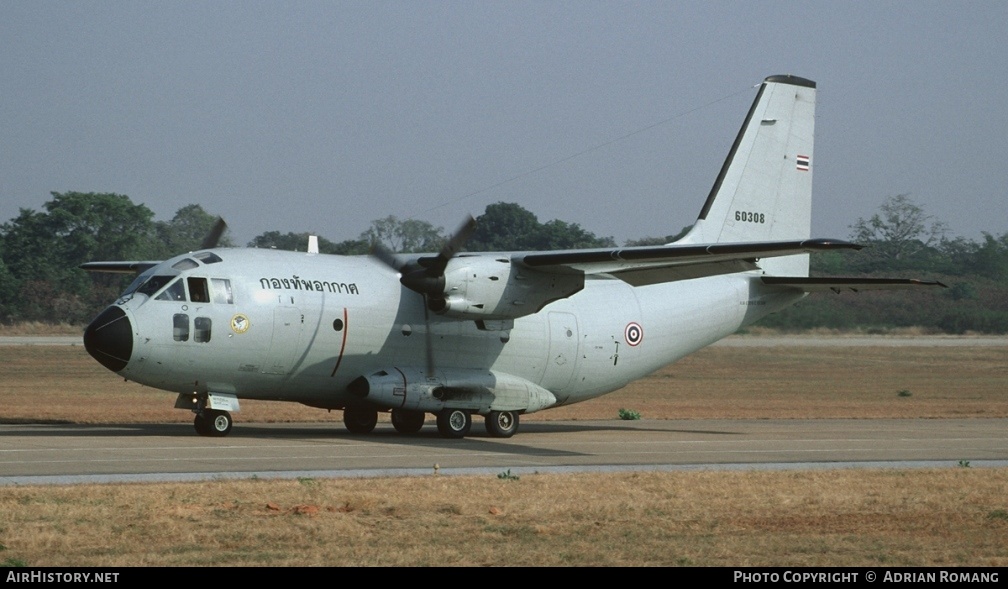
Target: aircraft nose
{"points": [[109, 339]]}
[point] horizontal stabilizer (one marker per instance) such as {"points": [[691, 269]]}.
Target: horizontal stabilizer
{"points": [[838, 284]]}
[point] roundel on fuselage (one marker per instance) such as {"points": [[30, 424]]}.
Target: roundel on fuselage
{"points": [[633, 333]]}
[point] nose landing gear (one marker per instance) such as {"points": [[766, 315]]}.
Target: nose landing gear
{"points": [[213, 423]]}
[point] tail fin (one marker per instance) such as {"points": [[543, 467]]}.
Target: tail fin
{"points": [[764, 190]]}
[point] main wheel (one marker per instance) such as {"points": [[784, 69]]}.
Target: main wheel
{"points": [[454, 423], [406, 421], [502, 424], [360, 420], [218, 423]]}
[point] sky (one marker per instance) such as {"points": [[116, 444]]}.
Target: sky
{"points": [[324, 116]]}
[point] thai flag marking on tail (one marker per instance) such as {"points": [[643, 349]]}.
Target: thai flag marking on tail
{"points": [[803, 163]]}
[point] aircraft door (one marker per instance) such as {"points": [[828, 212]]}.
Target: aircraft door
{"points": [[563, 354], [288, 323]]}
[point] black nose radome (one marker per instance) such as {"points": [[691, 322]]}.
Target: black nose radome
{"points": [[109, 339]]}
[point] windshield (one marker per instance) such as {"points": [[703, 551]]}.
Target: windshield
{"points": [[136, 283], [153, 285]]}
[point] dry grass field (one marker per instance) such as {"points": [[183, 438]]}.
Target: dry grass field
{"points": [[950, 517], [875, 518]]}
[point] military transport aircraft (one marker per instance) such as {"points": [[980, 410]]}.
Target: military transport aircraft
{"points": [[494, 334]]}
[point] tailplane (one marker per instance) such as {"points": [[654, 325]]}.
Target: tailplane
{"points": [[764, 190]]}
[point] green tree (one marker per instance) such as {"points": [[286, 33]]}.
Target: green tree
{"points": [[29, 249], [408, 236], [350, 247], [8, 291], [560, 235], [505, 227], [991, 257], [510, 227], [900, 232], [298, 242], [99, 226], [658, 240], [292, 242], [186, 231], [42, 252]]}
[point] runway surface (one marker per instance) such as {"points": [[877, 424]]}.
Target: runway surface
{"points": [[71, 454]]}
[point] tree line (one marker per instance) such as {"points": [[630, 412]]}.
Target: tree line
{"points": [[40, 254]]}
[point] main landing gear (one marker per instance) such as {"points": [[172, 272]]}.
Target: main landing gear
{"points": [[451, 423], [502, 424], [360, 420], [454, 423], [406, 421]]}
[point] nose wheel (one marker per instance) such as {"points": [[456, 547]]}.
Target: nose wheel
{"points": [[213, 423]]}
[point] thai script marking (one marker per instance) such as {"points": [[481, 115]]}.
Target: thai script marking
{"points": [[298, 283]]}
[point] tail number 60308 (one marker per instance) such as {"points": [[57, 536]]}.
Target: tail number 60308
{"points": [[749, 217]]}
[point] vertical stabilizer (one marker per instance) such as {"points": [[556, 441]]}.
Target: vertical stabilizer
{"points": [[764, 190]]}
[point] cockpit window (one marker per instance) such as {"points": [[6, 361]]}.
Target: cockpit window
{"points": [[153, 285], [185, 264], [208, 257], [175, 292], [222, 291], [142, 278], [198, 290]]}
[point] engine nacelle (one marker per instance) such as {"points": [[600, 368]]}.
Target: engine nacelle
{"points": [[478, 391], [487, 287]]}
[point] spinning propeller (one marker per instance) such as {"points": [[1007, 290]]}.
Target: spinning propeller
{"points": [[426, 275], [210, 241]]}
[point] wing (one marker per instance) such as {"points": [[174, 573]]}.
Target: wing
{"points": [[654, 264], [119, 267]]}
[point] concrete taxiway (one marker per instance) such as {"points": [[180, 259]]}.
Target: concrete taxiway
{"points": [[69, 454]]}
